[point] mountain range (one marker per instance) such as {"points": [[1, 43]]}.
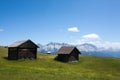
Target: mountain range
{"points": [[85, 49]]}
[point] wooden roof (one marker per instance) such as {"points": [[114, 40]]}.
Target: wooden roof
{"points": [[66, 50], [18, 43]]}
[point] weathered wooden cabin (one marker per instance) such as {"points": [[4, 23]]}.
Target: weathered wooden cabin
{"points": [[68, 54], [25, 49]]}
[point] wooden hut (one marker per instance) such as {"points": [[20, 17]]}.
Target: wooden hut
{"points": [[68, 54], [25, 49]]}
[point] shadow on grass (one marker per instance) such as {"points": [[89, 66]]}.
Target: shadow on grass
{"points": [[22, 59], [8, 58], [5, 58]]}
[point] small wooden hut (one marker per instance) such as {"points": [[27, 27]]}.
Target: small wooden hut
{"points": [[68, 54], [25, 49]]}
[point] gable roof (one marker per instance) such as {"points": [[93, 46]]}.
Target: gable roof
{"points": [[66, 50], [18, 43]]}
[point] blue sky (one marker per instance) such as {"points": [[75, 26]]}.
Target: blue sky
{"points": [[45, 21]]}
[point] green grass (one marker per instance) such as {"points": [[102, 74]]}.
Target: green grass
{"points": [[45, 68]]}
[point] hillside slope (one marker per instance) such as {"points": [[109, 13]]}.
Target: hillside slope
{"points": [[45, 68]]}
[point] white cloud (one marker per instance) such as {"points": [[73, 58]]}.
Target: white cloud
{"points": [[96, 40], [91, 36], [1, 30], [73, 29], [100, 44], [110, 45]]}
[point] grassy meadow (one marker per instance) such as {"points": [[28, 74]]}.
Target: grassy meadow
{"points": [[45, 68]]}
